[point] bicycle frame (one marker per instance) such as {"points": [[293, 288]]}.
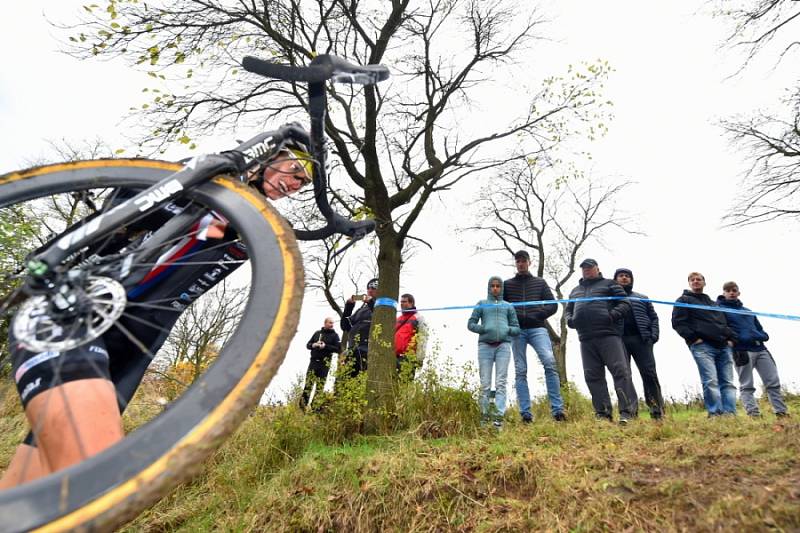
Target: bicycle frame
{"points": [[198, 170], [202, 168]]}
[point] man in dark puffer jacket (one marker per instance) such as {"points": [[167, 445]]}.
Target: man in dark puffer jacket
{"points": [[525, 287], [599, 329], [639, 334], [357, 325], [710, 340], [750, 345]]}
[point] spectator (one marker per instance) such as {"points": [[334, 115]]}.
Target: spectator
{"points": [[599, 325], [525, 287], [409, 333], [751, 353], [357, 325], [323, 344], [496, 322], [639, 334], [709, 338]]}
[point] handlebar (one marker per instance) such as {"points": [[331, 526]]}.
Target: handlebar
{"points": [[321, 69]]}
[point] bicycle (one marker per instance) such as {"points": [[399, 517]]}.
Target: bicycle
{"points": [[73, 290]]}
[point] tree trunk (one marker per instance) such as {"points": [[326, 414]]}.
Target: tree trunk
{"points": [[559, 341], [560, 351], [381, 359]]}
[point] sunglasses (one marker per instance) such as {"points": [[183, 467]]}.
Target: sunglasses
{"points": [[300, 168]]}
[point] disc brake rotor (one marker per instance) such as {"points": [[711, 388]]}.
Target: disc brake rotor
{"points": [[38, 331]]}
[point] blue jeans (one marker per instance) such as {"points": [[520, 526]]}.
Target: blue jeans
{"points": [[498, 357], [539, 339], [716, 374]]}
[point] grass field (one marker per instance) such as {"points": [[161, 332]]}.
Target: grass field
{"points": [[288, 471]]}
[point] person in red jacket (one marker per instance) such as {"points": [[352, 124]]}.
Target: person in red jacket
{"points": [[407, 338]]}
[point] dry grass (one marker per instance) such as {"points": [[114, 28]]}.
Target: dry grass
{"points": [[687, 473], [283, 471]]}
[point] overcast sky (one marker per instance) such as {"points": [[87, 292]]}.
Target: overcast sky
{"points": [[669, 86]]}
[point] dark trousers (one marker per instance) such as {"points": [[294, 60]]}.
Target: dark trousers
{"points": [[598, 354], [316, 374], [642, 353]]}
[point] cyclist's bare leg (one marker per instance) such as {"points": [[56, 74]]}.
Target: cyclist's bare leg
{"points": [[74, 421], [25, 466]]}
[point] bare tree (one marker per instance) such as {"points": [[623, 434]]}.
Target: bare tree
{"points": [[555, 216], [770, 140], [399, 145]]}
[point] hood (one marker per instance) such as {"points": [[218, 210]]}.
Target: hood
{"points": [[489, 291], [736, 304], [629, 272]]}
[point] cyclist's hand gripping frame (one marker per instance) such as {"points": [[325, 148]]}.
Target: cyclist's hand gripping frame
{"points": [[321, 69]]}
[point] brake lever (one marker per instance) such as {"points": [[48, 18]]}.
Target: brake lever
{"points": [[359, 235]]}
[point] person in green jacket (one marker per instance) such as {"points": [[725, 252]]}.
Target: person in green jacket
{"points": [[495, 321]]}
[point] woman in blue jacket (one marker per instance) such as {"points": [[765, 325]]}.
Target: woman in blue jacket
{"points": [[495, 321]]}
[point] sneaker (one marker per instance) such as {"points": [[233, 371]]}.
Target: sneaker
{"points": [[605, 418], [560, 417], [782, 414], [527, 419], [498, 425], [623, 421], [754, 415]]}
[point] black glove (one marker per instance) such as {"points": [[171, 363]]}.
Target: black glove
{"points": [[296, 132]]}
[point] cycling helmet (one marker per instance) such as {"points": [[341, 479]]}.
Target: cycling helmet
{"points": [[293, 143]]}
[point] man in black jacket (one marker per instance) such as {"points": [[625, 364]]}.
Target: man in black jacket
{"points": [[357, 325], [639, 334], [323, 344], [599, 325], [710, 340], [525, 287]]}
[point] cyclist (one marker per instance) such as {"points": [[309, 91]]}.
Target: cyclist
{"points": [[73, 400]]}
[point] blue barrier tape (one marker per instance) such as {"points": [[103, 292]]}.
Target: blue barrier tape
{"points": [[606, 298], [386, 302]]}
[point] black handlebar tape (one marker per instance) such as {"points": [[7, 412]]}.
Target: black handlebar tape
{"points": [[322, 68], [357, 229], [310, 74], [314, 235]]}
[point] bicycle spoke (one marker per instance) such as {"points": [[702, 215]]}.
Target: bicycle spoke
{"points": [[106, 205], [156, 307], [145, 322], [192, 254], [131, 337], [73, 423]]}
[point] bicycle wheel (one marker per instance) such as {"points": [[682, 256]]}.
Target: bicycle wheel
{"points": [[107, 489]]}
